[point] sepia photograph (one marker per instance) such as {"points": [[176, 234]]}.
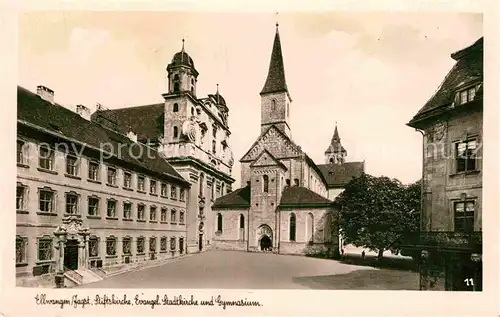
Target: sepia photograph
{"points": [[258, 150]]}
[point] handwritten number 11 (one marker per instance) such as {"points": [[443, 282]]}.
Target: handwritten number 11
{"points": [[469, 281]]}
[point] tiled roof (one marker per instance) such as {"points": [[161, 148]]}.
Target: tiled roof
{"points": [[57, 119], [467, 69], [275, 81], [239, 198], [302, 197], [338, 175], [145, 121]]}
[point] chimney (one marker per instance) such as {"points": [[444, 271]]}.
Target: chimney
{"points": [[83, 111], [132, 136], [45, 93]]}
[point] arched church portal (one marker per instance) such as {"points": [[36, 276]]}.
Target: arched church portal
{"points": [[265, 236]]}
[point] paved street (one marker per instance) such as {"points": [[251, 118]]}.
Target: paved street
{"points": [[229, 269]]}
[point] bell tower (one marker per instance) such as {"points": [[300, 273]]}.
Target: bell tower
{"points": [[335, 153], [275, 98], [181, 73]]}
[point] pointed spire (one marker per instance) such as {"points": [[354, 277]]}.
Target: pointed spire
{"points": [[336, 133], [275, 81], [335, 144]]}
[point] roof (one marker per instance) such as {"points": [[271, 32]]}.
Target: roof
{"points": [[338, 175], [467, 69], [296, 196], [145, 121], [239, 198], [335, 144], [182, 58], [299, 149], [218, 98], [275, 81], [71, 126], [273, 161]]}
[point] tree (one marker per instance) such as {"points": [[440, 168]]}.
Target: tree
{"points": [[376, 211]]}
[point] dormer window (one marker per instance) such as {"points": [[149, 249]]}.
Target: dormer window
{"points": [[466, 95]]}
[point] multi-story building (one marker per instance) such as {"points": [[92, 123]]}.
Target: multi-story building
{"points": [[88, 196], [451, 122], [193, 133], [284, 206]]}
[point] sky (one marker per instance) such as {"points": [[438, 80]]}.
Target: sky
{"points": [[367, 72]]}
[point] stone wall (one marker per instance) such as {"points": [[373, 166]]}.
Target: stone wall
{"points": [[31, 223], [443, 185]]}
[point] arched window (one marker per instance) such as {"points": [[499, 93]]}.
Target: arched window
{"points": [[192, 111], [192, 81], [176, 87], [273, 105], [176, 77], [222, 192], [266, 183], [176, 132], [331, 160], [176, 107], [328, 228], [242, 221], [296, 182], [202, 183], [292, 227], [219, 223], [241, 233], [310, 227], [287, 182]]}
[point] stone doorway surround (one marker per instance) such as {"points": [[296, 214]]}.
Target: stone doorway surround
{"points": [[71, 229], [264, 232]]}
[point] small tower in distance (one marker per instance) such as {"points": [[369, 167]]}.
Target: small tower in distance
{"points": [[335, 153]]}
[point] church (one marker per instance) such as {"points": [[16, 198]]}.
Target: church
{"points": [[286, 204]]}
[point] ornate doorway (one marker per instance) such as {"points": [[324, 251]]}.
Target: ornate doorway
{"points": [[72, 246], [71, 254], [265, 238]]}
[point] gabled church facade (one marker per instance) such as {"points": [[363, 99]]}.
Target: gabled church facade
{"points": [[284, 206]]}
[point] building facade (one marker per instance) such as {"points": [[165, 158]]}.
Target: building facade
{"points": [[193, 133], [89, 197], [284, 206], [451, 122]]}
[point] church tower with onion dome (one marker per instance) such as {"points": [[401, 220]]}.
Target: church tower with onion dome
{"points": [[196, 142]]}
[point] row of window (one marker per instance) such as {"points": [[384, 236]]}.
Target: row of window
{"points": [[46, 161], [292, 226], [111, 245], [216, 191], [46, 198], [45, 247]]}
